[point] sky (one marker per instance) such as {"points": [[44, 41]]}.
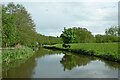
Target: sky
{"points": [[51, 17]]}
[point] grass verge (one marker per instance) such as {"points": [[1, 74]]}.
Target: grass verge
{"points": [[16, 55], [108, 51]]}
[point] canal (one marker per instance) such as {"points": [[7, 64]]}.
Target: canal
{"points": [[57, 64]]}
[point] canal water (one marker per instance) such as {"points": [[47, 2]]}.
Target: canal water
{"points": [[56, 64]]}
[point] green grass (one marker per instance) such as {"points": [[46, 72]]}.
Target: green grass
{"points": [[17, 54], [12, 58], [107, 51]]}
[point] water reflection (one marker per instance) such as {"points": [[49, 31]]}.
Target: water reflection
{"points": [[23, 70], [55, 64], [69, 61]]}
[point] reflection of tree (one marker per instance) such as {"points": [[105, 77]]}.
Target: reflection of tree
{"points": [[71, 61], [21, 70]]}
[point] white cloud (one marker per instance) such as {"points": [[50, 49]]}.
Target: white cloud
{"points": [[51, 18]]}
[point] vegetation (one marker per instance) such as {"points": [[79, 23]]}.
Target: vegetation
{"points": [[77, 35], [107, 51], [67, 35], [19, 28], [17, 54], [112, 31], [16, 23], [25, 54], [48, 39], [111, 35], [106, 38], [82, 35]]}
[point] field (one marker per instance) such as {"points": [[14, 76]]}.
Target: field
{"points": [[107, 51]]}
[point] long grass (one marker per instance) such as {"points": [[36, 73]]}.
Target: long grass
{"points": [[17, 54]]}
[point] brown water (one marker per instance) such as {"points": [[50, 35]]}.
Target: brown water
{"points": [[55, 64]]}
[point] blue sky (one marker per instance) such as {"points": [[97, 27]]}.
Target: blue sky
{"points": [[51, 17]]}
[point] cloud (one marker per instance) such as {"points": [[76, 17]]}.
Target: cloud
{"points": [[96, 17], [51, 17]]}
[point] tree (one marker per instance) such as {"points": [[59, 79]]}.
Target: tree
{"points": [[18, 26], [82, 35], [112, 31], [77, 35], [67, 35], [9, 31]]}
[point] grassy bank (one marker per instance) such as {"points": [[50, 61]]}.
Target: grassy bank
{"points": [[11, 58], [107, 51], [17, 54]]}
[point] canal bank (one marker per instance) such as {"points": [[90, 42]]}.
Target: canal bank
{"points": [[108, 51], [16, 55]]}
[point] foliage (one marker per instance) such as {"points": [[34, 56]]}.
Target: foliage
{"points": [[17, 54], [67, 35], [77, 35], [111, 35], [106, 38], [18, 27], [112, 31], [9, 29], [16, 22], [82, 35], [48, 39]]}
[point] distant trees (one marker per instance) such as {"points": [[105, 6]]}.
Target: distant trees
{"points": [[106, 38], [112, 31], [48, 39], [111, 35]]}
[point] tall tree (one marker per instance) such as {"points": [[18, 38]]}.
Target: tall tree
{"points": [[18, 26], [9, 27], [67, 35]]}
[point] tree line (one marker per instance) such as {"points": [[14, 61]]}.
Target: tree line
{"points": [[19, 28], [82, 35], [111, 35]]}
